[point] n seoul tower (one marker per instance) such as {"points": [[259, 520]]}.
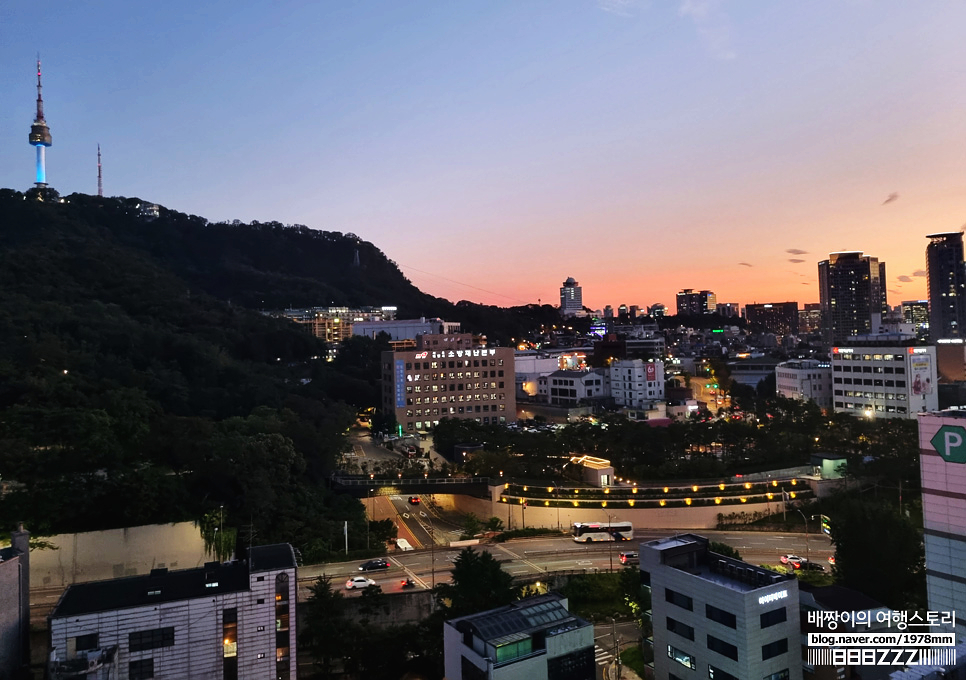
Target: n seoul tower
{"points": [[40, 136]]}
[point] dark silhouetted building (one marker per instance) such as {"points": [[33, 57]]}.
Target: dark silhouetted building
{"points": [[695, 304], [780, 318], [852, 294], [947, 285]]}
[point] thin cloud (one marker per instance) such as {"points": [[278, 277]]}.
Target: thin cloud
{"points": [[796, 251], [897, 292], [904, 278], [619, 7], [892, 197], [920, 273], [712, 25], [796, 260], [745, 264]]}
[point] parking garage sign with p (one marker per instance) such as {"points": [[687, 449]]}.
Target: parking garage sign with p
{"points": [[950, 443]]}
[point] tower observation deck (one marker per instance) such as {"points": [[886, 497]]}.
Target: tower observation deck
{"points": [[40, 135]]}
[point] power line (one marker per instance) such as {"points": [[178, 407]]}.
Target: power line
{"points": [[460, 283]]}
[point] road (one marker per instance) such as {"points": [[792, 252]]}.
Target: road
{"points": [[531, 558]]}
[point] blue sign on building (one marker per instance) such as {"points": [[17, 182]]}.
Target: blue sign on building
{"points": [[400, 383]]}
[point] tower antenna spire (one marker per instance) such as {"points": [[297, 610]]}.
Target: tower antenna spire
{"points": [[100, 182], [40, 135]]}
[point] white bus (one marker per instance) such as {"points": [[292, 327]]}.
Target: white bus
{"points": [[589, 532]]}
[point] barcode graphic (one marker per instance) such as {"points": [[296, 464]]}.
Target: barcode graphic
{"points": [[927, 656]]}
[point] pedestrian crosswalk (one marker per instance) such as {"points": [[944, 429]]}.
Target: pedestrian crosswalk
{"points": [[601, 657]]}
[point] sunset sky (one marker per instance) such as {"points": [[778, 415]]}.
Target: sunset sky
{"points": [[492, 149]]}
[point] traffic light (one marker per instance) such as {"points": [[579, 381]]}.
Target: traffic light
{"points": [[825, 525], [715, 386]]}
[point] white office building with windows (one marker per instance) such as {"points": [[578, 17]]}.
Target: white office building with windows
{"points": [[717, 617], [884, 376], [805, 380], [232, 621], [636, 383]]}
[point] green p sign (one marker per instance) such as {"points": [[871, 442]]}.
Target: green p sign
{"points": [[950, 443]]}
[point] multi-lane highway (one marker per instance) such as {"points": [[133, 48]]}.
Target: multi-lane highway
{"points": [[532, 558]]}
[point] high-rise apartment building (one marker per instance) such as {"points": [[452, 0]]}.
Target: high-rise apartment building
{"points": [[571, 299], [942, 463], [852, 294], [780, 318], [718, 617], [694, 304], [810, 318], [447, 376], [947, 285]]}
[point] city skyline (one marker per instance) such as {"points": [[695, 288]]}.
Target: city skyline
{"points": [[639, 148]]}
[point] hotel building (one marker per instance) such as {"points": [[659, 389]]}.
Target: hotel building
{"points": [[446, 376]]}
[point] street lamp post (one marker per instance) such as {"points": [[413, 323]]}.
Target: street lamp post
{"points": [[556, 499], [806, 532], [432, 548], [610, 547]]}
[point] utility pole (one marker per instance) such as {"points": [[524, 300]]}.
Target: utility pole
{"points": [[806, 532]]}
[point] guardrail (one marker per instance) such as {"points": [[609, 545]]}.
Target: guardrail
{"points": [[443, 481]]}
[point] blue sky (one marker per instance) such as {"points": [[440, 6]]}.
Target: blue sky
{"points": [[493, 149]]}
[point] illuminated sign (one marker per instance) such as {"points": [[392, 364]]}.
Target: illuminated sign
{"points": [[459, 353], [421, 355], [773, 597], [400, 379]]}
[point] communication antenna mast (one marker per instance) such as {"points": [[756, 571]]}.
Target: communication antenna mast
{"points": [[100, 182]]}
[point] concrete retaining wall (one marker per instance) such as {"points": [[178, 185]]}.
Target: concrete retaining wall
{"points": [[99, 555]]}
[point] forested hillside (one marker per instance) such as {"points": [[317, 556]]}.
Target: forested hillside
{"points": [[138, 383]]}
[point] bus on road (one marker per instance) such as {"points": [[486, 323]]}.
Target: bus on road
{"points": [[590, 532]]}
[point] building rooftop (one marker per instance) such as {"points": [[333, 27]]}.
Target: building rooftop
{"points": [[690, 553], [162, 585], [521, 619]]}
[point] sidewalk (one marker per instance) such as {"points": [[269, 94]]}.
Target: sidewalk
{"points": [[610, 672]]}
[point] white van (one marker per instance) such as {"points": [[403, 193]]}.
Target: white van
{"points": [[403, 544]]}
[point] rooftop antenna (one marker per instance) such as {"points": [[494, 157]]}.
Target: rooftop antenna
{"points": [[100, 182], [40, 135]]}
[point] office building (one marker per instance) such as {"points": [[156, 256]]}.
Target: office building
{"points": [[690, 303], [718, 617], [805, 380], [947, 285], [728, 309], [402, 332], [884, 376], [810, 318], [335, 324], [636, 383], [15, 605], [571, 299], [852, 294], [780, 318], [232, 620], [942, 464], [536, 638], [448, 376]]}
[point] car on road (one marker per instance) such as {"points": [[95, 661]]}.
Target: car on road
{"points": [[403, 544], [812, 566], [630, 558], [380, 563], [414, 500], [793, 560], [359, 582]]}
